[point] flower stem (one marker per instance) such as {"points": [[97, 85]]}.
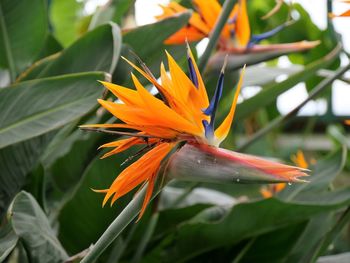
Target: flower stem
{"points": [[116, 227], [224, 15]]}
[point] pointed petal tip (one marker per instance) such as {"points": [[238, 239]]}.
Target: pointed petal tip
{"points": [[224, 65], [102, 82], [297, 180]]}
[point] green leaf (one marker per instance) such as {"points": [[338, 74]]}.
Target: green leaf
{"points": [[323, 173], [316, 228], [65, 16], [112, 11], [91, 219], [35, 107], [50, 47], [21, 22], [339, 258], [148, 39], [97, 50], [214, 228], [66, 164], [8, 241], [273, 246], [16, 161], [32, 226]]}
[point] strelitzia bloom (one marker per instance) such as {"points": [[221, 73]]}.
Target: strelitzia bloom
{"points": [[203, 22], [236, 39], [181, 120], [236, 35], [270, 190]]}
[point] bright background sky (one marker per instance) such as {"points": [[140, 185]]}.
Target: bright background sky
{"points": [[147, 9]]}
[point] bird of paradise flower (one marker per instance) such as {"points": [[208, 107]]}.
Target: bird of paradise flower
{"points": [[236, 36], [236, 39], [182, 119]]}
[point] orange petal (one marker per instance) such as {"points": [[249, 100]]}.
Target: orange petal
{"points": [[299, 160], [209, 10], [266, 193], [189, 33], [194, 31], [126, 95], [277, 169], [204, 101], [164, 115], [269, 190], [279, 187], [345, 14], [138, 172], [148, 195], [242, 28]]}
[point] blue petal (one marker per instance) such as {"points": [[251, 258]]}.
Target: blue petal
{"points": [[257, 38], [193, 75], [217, 95], [211, 110], [209, 129]]}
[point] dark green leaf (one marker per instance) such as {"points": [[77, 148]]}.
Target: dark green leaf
{"points": [[21, 22], [90, 218], [35, 107], [98, 50], [316, 228], [243, 221], [323, 173], [147, 39], [8, 241], [16, 161]]}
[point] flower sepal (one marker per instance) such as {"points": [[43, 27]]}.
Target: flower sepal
{"points": [[239, 56], [204, 163]]}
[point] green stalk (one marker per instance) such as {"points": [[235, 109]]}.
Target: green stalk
{"points": [[281, 119], [117, 226], [224, 15], [146, 237]]}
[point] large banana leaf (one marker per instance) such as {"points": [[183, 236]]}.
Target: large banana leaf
{"points": [[57, 100], [31, 225], [21, 22]]}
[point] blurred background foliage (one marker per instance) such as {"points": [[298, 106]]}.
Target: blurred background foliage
{"points": [[52, 52]]}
